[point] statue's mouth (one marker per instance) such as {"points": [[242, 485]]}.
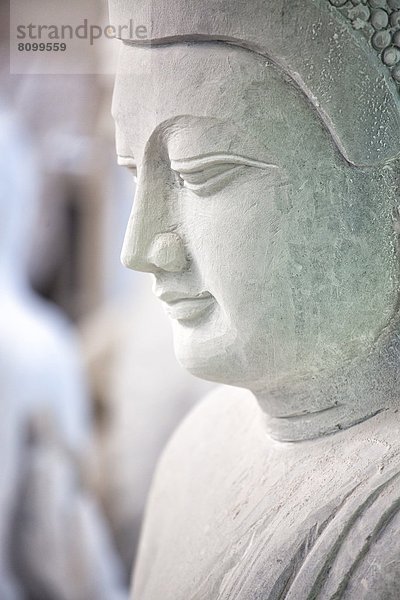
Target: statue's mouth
{"points": [[182, 307]]}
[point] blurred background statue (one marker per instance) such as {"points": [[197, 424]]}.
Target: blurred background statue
{"points": [[54, 541]]}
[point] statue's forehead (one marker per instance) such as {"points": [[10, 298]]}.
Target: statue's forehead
{"points": [[329, 55], [169, 77], [226, 89]]}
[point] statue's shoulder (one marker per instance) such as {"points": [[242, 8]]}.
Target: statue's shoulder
{"points": [[212, 447], [223, 414], [208, 441]]}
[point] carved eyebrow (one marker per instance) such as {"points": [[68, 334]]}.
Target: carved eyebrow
{"points": [[126, 161], [196, 163]]}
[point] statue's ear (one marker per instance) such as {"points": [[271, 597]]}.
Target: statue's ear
{"points": [[396, 219]]}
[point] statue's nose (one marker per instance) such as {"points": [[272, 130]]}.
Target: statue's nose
{"points": [[147, 247], [149, 243], [166, 253]]}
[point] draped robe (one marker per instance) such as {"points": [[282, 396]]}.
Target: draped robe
{"points": [[234, 514]]}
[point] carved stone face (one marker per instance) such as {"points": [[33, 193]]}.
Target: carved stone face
{"points": [[274, 257]]}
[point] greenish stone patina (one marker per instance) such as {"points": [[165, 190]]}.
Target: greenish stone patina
{"points": [[266, 140]]}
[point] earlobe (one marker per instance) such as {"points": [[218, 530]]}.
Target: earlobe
{"points": [[396, 219]]}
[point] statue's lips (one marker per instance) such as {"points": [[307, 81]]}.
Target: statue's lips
{"points": [[187, 308]]}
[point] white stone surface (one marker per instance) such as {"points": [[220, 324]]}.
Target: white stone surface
{"points": [[266, 211]]}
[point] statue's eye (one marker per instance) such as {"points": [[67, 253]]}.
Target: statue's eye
{"points": [[207, 174], [201, 178]]}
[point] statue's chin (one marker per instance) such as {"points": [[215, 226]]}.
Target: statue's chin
{"points": [[214, 360], [207, 350], [216, 350], [207, 370]]}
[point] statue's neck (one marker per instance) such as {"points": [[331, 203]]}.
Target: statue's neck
{"points": [[323, 404]]}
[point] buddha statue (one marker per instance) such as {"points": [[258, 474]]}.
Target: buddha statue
{"points": [[265, 136]]}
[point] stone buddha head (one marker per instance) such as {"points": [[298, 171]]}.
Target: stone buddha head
{"points": [[265, 140]]}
